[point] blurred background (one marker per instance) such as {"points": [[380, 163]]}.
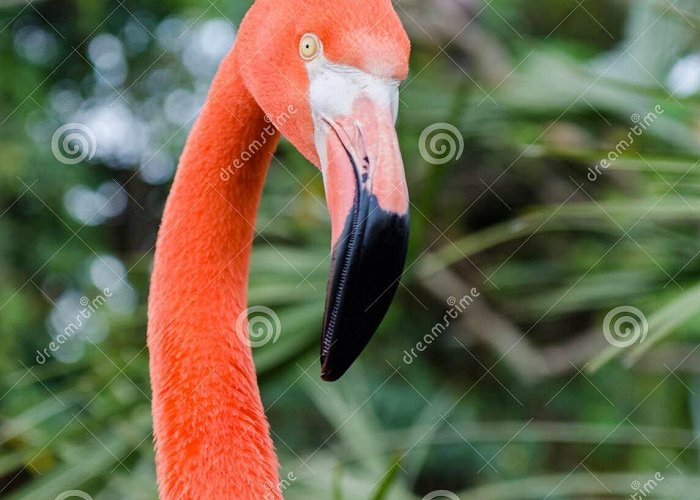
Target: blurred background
{"points": [[544, 341]]}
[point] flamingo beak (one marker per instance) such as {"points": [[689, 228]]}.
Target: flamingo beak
{"points": [[368, 203]]}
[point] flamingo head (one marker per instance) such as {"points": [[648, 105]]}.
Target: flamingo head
{"points": [[326, 74]]}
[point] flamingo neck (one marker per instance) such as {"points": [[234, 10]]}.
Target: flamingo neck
{"points": [[212, 437]]}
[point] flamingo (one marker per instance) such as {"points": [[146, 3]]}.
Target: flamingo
{"points": [[333, 68]]}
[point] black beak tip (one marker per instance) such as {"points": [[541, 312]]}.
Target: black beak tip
{"points": [[334, 365], [364, 278], [328, 375]]}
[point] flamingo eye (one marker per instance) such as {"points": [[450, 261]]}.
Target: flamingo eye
{"points": [[309, 46]]}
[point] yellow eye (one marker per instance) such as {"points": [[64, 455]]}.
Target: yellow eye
{"points": [[309, 46]]}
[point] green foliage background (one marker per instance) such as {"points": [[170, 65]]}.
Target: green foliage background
{"points": [[521, 397]]}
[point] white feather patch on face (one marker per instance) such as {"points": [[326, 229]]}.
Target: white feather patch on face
{"points": [[333, 89]]}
